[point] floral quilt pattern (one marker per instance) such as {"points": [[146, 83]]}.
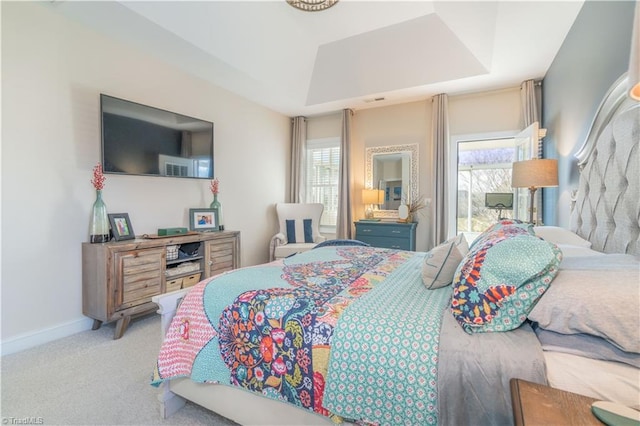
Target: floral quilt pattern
{"points": [[274, 339]]}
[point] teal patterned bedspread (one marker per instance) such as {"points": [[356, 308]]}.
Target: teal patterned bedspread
{"points": [[346, 332], [384, 352]]}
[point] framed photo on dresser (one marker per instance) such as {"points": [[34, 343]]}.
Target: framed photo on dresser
{"points": [[203, 219], [121, 226]]}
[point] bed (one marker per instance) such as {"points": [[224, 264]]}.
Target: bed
{"points": [[359, 334]]}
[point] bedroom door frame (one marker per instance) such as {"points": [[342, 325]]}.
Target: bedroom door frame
{"points": [[452, 198]]}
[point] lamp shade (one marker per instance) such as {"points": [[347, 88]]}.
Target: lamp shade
{"points": [[634, 58], [372, 196], [535, 173]]}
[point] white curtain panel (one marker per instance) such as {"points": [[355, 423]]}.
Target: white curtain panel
{"points": [[345, 215], [531, 107], [634, 57], [298, 150], [440, 144], [530, 94]]}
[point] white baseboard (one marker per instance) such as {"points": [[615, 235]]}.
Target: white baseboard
{"points": [[30, 340]]}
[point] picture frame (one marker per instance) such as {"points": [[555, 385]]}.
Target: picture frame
{"points": [[203, 219], [121, 226]]}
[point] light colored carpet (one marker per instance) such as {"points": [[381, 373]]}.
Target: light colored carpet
{"points": [[91, 379]]}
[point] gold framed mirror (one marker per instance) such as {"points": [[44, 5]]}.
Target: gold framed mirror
{"points": [[393, 169]]}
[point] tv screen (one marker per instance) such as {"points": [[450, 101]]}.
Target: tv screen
{"points": [[499, 200], [143, 140]]}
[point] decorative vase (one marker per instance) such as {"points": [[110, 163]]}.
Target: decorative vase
{"points": [[215, 204], [403, 213], [99, 224]]}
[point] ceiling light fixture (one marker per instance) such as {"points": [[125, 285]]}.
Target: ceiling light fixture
{"points": [[312, 5]]}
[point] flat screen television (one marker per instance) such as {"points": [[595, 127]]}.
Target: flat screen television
{"points": [[499, 200], [143, 140]]}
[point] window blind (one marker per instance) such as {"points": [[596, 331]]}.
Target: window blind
{"points": [[323, 166]]}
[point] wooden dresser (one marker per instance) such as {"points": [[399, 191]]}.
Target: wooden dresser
{"points": [[393, 235], [119, 278]]}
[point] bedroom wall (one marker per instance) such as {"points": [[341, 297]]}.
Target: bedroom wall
{"points": [[594, 54], [401, 124], [53, 71], [495, 111]]}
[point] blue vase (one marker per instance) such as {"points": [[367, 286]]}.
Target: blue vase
{"points": [[99, 223]]}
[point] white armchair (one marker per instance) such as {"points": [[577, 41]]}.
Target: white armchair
{"points": [[299, 229]]}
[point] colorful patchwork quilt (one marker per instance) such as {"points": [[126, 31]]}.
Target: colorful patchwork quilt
{"points": [[346, 332]]}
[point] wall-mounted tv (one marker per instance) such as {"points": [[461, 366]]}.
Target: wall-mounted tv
{"points": [[143, 140]]}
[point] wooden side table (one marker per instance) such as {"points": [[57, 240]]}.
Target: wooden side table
{"points": [[535, 404]]}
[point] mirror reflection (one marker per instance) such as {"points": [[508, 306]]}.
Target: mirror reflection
{"points": [[391, 174], [393, 169]]}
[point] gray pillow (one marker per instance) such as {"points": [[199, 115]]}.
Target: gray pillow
{"points": [[603, 303], [442, 261]]}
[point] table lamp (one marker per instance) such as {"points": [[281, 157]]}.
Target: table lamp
{"points": [[534, 174], [371, 197]]}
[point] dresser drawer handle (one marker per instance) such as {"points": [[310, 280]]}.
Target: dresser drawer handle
{"points": [[396, 232], [395, 247], [366, 230]]}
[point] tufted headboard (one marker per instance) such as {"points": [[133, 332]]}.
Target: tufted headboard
{"points": [[607, 205]]}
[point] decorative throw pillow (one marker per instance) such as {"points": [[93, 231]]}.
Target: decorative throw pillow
{"points": [[510, 223], [442, 261], [501, 278], [508, 226], [297, 235]]}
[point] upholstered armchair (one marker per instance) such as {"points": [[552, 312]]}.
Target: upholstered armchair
{"points": [[299, 229]]}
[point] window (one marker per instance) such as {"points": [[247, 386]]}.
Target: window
{"points": [[481, 164], [322, 177], [483, 167]]}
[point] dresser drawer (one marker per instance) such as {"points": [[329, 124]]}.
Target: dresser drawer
{"points": [[383, 230], [138, 276], [387, 242], [400, 236]]}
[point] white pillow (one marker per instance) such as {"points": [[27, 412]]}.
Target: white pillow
{"points": [[441, 262], [569, 250], [557, 235]]}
